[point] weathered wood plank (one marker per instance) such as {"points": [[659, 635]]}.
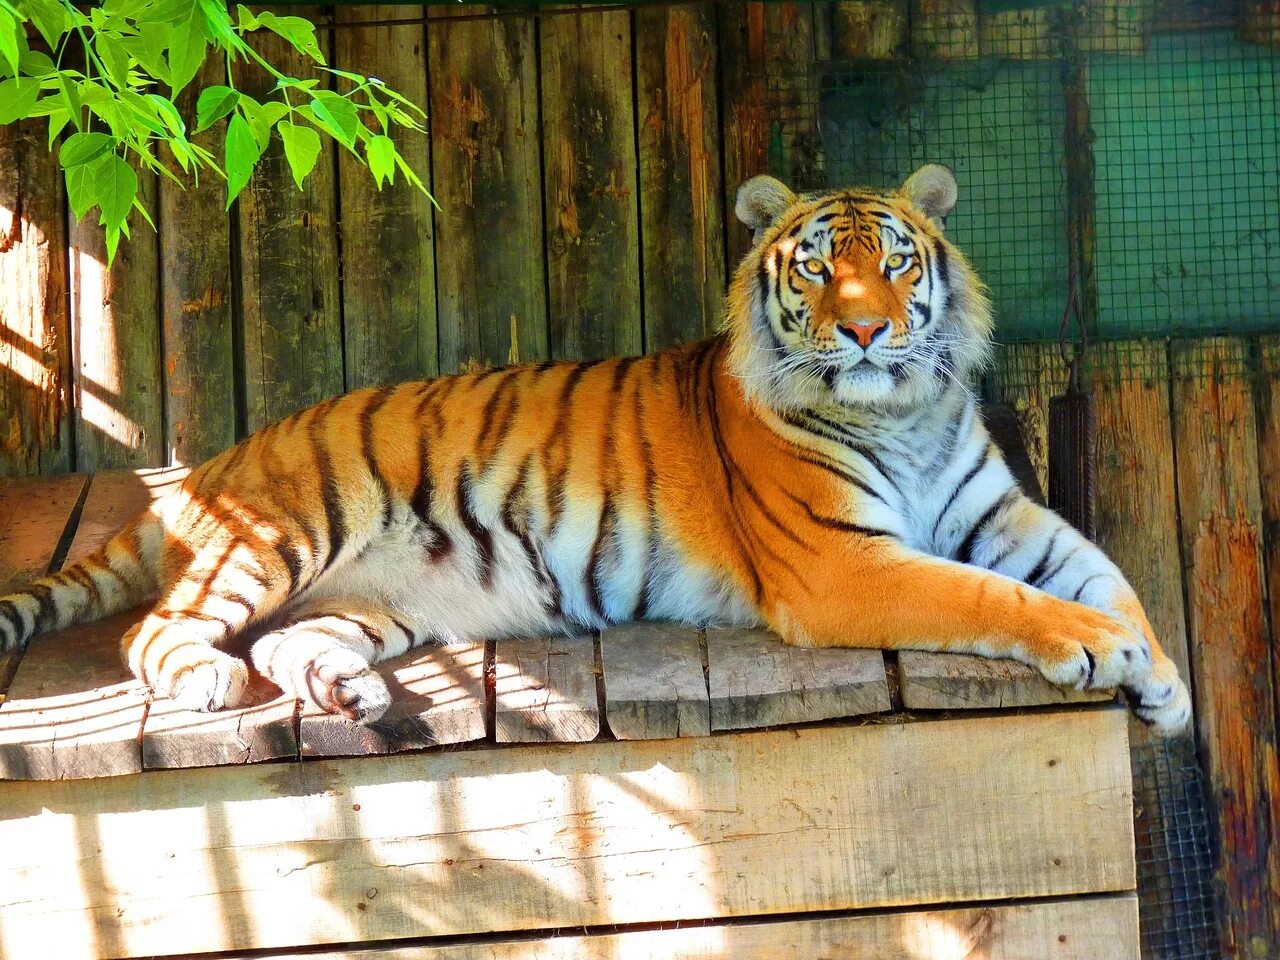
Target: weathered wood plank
{"points": [[944, 29], [454, 842], [1026, 376], [35, 348], [744, 111], [1269, 477], [870, 29], [1137, 495], [288, 263], [115, 331], [487, 177], [756, 680], [388, 268], [795, 143], [545, 690], [33, 518], [953, 681], [681, 197], [1215, 435], [653, 681], [195, 300], [1095, 928], [174, 738], [589, 148], [437, 698]]}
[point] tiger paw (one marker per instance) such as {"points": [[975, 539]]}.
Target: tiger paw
{"points": [[339, 681], [1160, 699], [1093, 652], [215, 681]]}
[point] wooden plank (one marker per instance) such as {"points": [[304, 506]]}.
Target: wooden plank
{"points": [[115, 330], [1215, 435], [1137, 496], [1260, 22], [457, 842], [681, 197], [955, 681], [653, 681], [1026, 376], [437, 698], [545, 690], [1268, 397], [35, 349], [589, 147], [487, 176], [174, 738], [288, 262], [756, 680], [388, 270], [944, 29], [870, 29], [34, 515], [795, 144], [1096, 928], [744, 112], [195, 299], [73, 709]]}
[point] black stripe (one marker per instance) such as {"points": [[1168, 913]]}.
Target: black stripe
{"points": [[47, 615], [365, 420], [965, 553], [177, 616], [9, 610], [983, 457], [817, 460], [402, 627], [836, 523], [494, 435], [1088, 580], [479, 532], [1057, 567], [291, 563], [1037, 571], [330, 495], [591, 578], [237, 598], [520, 529], [651, 508], [370, 634], [423, 499]]}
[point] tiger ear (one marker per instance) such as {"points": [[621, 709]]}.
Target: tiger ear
{"points": [[761, 201], [933, 189]]}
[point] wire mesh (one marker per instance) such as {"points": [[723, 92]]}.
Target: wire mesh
{"points": [[1174, 215]]}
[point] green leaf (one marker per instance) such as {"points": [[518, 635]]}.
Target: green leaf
{"points": [[9, 51], [17, 98], [114, 57], [166, 11], [36, 64], [50, 18], [168, 114], [214, 104], [337, 115], [187, 45], [300, 33], [117, 188], [262, 116], [84, 148], [82, 184], [381, 152], [246, 18], [71, 93], [301, 149], [57, 120], [242, 153], [148, 48]]}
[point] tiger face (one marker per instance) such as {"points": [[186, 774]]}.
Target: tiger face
{"points": [[854, 298]]}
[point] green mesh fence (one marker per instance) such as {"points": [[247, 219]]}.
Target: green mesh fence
{"points": [[1138, 141]]}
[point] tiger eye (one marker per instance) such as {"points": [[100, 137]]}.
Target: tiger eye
{"points": [[895, 261]]}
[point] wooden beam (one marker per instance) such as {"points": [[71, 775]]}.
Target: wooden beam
{"points": [[653, 682], [388, 268], [1094, 928], [545, 690], [174, 738], [681, 197], [35, 393], [437, 698], [1215, 435], [458, 842], [757, 680], [487, 168], [743, 109], [953, 681]]}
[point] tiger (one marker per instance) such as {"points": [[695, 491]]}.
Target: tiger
{"points": [[819, 467]]}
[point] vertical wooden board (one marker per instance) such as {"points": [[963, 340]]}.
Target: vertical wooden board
{"points": [[195, 299], [1026, 376], [1268, 403], [1093, 928], [545, 836], [944, 29], [288, 262], [1215, 438], [487, 176], [1137, 495], [388, 261], [654, 686], [35, 349], [743, 111], [437, 697], [589, 148], [870, 29], [545, 690], [115, 330], [681, 197], [795, 145], [756, 680]]}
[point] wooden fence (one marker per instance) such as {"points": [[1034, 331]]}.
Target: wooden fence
{"points": [[584, 165]]}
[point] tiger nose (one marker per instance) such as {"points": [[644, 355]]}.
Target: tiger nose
{"points": [[864, 331]]}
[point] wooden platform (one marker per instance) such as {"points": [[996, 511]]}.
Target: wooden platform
{"points": [[654, 774]]}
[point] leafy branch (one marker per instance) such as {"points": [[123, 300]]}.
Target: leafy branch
{"points": [[107, 80]]}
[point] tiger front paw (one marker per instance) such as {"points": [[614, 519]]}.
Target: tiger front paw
{"points": [[207, 681], [1091, 651], [1160, 699], [341, 682]]}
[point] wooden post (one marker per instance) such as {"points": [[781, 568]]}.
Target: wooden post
{"points": [[1260, 22], [591, 187], [195, 300], [487, 177], [388, 264], [289, 267], [35, 414], [870, 29], [115, 329], [681, 200], [1218, 492], [1115, 26], [743, 109], [944, 29]]}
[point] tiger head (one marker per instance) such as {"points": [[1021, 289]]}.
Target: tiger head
{"points": [[854, 298]]}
